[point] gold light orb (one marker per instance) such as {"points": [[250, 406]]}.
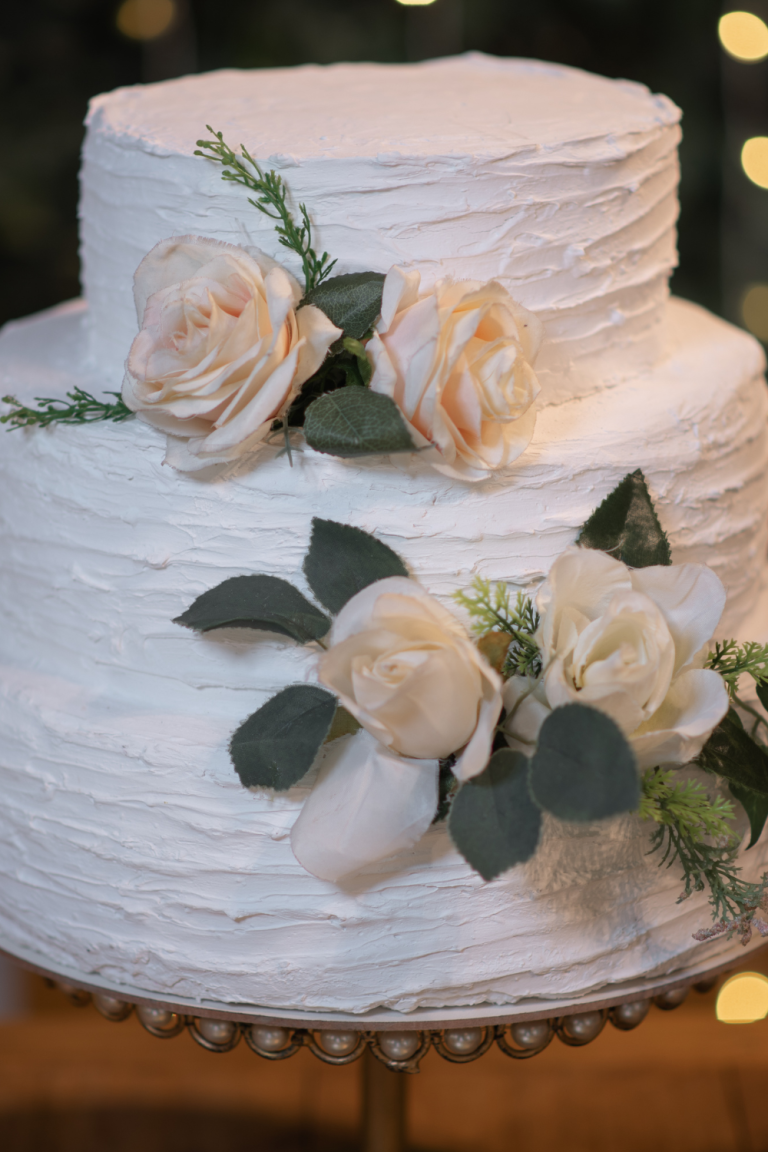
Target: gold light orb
{"points": [[145, 19], [415, 3], [744, 36], [743, 999], [754, 310], [754, 160]]}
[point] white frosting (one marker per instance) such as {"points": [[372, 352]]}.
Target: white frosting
{"points": [[559, 184], [129, 849]]}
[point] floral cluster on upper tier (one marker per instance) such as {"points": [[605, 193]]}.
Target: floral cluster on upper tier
{"points": [[582, 702], [231, 352]]}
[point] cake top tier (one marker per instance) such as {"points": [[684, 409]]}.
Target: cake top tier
{"points": [[558, 184], [469, 105]]}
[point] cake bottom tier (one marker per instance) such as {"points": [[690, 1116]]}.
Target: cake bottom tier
{"points": [[129, 850]]}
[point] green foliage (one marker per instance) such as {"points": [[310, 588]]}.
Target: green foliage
{"points": [[270, 199], [344, 724], [491, 609], [626, 526], [493, 822], [264, 602], [83, 408], [697, 832], [733, 660], [352, 302], [734, 755], [349, 366], [355, 422], [277, 745], [342, 560], [447, 787], [583, 768]]}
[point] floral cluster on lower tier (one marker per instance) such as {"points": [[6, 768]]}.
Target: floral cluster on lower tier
{"points": [[582, 702]]}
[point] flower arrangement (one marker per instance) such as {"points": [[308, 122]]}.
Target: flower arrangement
{"points": [[232, 352], [583, 702]]}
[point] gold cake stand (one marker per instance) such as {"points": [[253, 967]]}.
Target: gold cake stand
{"points": [[387, 1041]]}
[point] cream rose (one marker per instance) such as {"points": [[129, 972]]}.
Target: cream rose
{"points": [[458, 363], [631, 642], [407, 671], [222, 349]]}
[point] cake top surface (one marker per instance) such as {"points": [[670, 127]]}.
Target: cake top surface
{"points": [[471, 103]]}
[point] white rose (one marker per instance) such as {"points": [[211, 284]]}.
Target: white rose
{"points": [[458, 364], [222, 348], [409, 673], [631, 642]]}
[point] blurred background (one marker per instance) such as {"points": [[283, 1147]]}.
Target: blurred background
{"points": [[55, 54]]}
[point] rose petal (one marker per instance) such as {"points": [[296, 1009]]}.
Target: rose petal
{"points": [[401, 290], [366, 805], [584, 579], [692, 599], [677, 732], [317, 333]]}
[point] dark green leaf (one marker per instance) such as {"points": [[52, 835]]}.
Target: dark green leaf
{"points": [[344, 724], [355, 422], [352, 302], [348, 365], [756, 807], [627, 527], [583, 767], [447, 787], [264, 602], [762, 694], [342, 560], [494, 823], [277, 745], [731, 753]]}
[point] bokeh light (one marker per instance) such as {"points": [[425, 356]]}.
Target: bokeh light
{"points": [[754, 160], [145, 19], [754, 310], [744, 35], [415, 3], [743, 999]]}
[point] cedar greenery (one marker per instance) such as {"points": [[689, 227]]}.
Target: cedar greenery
{"points": [[492, 609], [83, 408], [270, 199], [696, 831]]}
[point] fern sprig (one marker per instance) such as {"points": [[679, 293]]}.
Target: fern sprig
{"points": [[697, 832], [82, 408], [733, 660], [271, 194], [491, 609]]}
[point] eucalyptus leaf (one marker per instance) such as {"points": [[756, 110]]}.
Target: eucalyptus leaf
{"points": [[277, 745], [353, 422], [343, 560], [583, 768], [344, 724], [626, 526], [264, 602], [493, 822], [351, 301]]}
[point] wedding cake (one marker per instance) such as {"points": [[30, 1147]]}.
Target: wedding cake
{"points": [[130, 852]]}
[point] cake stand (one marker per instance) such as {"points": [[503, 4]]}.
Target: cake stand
{"points": [[387, 1041]]}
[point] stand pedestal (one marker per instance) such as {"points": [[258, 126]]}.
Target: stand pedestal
{"points": [[383, 1126]]}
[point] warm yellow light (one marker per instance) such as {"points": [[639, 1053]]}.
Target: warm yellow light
{"points": [[744, 35], [754, 310], [415, 3], [754, 160], [743, 999], [145, 19]]}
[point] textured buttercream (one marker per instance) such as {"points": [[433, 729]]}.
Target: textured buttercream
{"points": [[559, 184], [129, 849]]}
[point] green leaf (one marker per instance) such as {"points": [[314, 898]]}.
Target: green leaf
{"points": [[277, 745], [762, 694], [731, 753], [355, 422], [349, 365], [756, 807], [264, 602], [627, 527], [352, 302], [344, 724], [343, 560], [494, 823], [583, 767]]}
